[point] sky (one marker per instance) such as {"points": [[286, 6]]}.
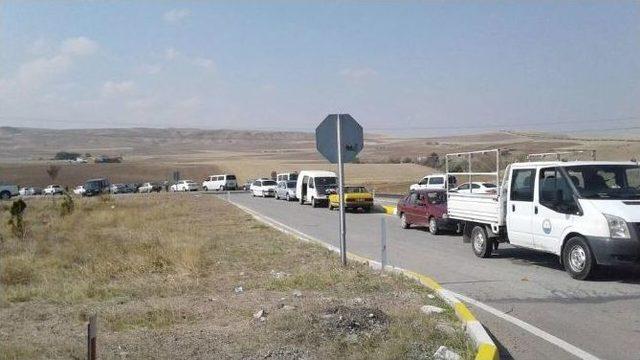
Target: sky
{"points": [[398, 67]]}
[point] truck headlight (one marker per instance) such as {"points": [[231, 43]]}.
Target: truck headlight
{"points": [[617, 227]]}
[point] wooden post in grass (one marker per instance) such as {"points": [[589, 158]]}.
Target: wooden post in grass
{"points": [[92, 330], [383, 243]]}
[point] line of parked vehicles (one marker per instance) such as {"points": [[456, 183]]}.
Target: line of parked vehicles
{"points": [[315, 187]]}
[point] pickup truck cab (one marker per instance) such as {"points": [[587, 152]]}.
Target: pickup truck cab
{"points": [[434, 181], [585, 212], [425, 208]]}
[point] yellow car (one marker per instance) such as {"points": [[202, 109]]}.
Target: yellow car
{"points": [[354, 197]]}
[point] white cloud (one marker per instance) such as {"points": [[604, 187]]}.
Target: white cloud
{"points": [[171, 54], [116, 88], [80, 46], [204, 63], [358, 73], [175, 16], [151, 69]]}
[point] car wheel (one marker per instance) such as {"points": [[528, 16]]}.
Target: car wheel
{"points": [[276, 196], [5, 195], [314, 202], [480, 242], [330, 207], [577, 258], [367, 209], [221, 188], [403, 221], [204, 188], [433, 226], [288, 198]]}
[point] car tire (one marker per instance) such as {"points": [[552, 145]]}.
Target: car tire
{"points": [[481, 245], [433, 226], [221, 188], [288, 198], [314, 203], [276, 196], [403, 221], [204, 188], [578, 259], [5, 195]]}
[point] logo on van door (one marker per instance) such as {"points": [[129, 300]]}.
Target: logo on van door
{"points": [[546, 226]]}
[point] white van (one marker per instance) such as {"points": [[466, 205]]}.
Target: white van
{"points": [[289, 176], [312, 186], [585, 212], [435, 181], [220, 182]]}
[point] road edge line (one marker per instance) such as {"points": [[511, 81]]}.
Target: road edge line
{"points": [[486, 349]]}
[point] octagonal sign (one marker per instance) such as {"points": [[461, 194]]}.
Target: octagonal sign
{"points": [[327, 138]]}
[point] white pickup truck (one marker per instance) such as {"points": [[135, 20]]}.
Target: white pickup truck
{"points": [[585, 212], [7, 191]]}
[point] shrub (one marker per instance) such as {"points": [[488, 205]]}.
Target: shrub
{"points": [[63, 155], [67, 205], [16, 221]]}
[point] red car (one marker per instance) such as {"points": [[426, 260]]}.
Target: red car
{"points": [[426, 208]]}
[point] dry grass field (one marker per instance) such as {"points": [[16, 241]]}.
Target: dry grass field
{"points": [[161, 271], [153, 154]]}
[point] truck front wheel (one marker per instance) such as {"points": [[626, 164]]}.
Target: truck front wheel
{"points": [[480, 242], [577, 258]]}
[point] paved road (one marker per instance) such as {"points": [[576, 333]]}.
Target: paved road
{"points": [[600, 317]]}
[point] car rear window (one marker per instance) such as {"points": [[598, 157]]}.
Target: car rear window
{"points": [[268, 183], [231, 177], [489, 185], [291, 184]]}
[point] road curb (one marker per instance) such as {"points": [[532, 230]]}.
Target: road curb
{"points": [[390, 209], [486, 349]]}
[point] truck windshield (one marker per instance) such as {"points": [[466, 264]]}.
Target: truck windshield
{"points": [[325, 181], [606, 181]]}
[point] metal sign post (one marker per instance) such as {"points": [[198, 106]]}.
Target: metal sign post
{"points": [[343, 223], [92, 331], [339, 138]]}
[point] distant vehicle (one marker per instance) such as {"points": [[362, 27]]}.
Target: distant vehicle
{"points": [[79, 190], [263, 187], [7, 191], [435, 181], [286, 190], [425, 208], [289, 176], [81, 160], [247, 184], [53, 190], [355, 197], [220, 182], [102, 159], [185, 185], [120, 189], [96, 187], [149, 187], [476, 188], [26, 191], [312, 186], [585, 212]]}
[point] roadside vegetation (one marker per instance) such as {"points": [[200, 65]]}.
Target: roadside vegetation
{"points": [[182, 276]]}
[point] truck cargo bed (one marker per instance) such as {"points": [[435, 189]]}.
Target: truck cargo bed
{"points": [[481, 208]]}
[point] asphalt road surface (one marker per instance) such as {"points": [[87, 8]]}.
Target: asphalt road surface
{"points": [[572, 319]]}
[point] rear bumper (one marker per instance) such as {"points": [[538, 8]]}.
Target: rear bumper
{"points": [[359, 204], [608, 251], [447, 223]]}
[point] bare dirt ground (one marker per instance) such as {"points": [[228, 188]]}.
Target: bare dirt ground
{"points": [[174, 276]]}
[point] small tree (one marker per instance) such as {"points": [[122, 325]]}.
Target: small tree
{"points": [[274, 175], [52, 171], [67, 205], [16, 221]]}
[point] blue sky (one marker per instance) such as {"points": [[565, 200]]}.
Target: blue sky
{"points": [[400, 67]]}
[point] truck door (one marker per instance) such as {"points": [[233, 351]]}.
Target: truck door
{"points": [[520, 207], [555, 209]]}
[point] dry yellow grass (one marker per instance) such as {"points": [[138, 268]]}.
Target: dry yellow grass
{"points": [[160, 272]]}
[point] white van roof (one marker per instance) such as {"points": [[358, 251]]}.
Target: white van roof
{"points": [[317, 173], [569, 163]]}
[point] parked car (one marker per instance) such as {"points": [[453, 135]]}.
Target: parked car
{"points": [[220, 182], [476, 188], [79, 190], [26, 191], [119, 189], [288, 176], [149, 187], [96, 187], [263, 187], [53, 190], [434, 181], [312, 186], [247, 185], [355, 197], [7, 191], [426, 208], [286, 190], [185, 185]]}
